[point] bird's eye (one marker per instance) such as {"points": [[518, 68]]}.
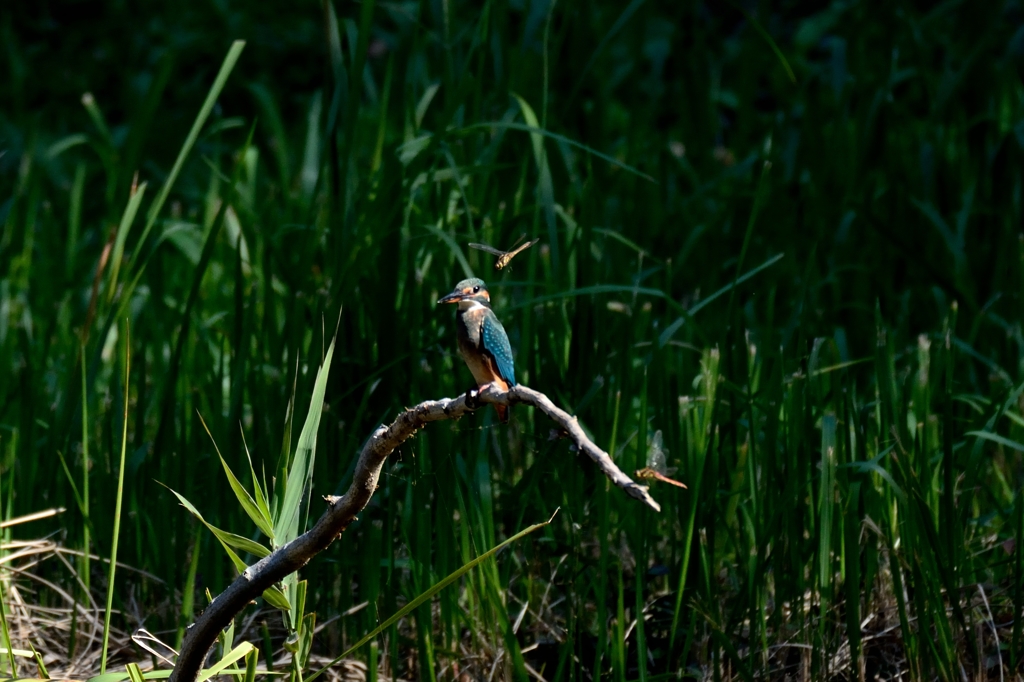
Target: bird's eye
{"points": [[476, 288]]}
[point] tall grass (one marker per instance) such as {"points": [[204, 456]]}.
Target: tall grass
{"points": [[811, 285]]}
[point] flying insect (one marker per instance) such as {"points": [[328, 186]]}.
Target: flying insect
{"points": [[505, 257]]}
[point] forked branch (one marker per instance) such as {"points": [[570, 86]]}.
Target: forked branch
{"points": [[341, 511]]}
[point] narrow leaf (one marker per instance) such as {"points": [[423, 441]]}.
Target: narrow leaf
{"points": [[260, 495], [122, 235], [286, 526], [276, 598], [244, 498], [561, 138], [226, 538], [996, 438], [211, 99], [238, 652], [134, 673], [248, 503]]}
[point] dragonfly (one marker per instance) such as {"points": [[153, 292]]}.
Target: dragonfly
{"points": [[505, 257], [656, 469]]}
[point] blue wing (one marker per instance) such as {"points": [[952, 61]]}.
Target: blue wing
{"points": [[495, 342]]}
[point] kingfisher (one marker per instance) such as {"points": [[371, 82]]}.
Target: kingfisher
{"points": [[483, 343]]}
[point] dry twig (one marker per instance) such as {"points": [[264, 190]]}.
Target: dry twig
{"points": [[342, 510]]}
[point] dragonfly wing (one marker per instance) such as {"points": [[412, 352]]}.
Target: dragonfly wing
{"points": [[488, 249], [655, 452], [656, 460]]}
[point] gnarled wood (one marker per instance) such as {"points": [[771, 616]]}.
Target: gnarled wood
{"points": [[341, 511]]}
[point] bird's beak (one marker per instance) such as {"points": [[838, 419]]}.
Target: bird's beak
{"points": [[453, 297]]}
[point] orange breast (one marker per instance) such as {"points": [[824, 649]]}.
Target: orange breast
{"points": [[482, 367]]}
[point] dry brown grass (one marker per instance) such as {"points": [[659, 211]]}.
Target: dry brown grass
{"points": [[50, 610]]}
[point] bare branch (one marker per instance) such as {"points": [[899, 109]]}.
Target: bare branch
{"points": [[342, 511]]}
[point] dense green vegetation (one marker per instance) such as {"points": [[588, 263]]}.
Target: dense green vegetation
{"points": [[848, 417]]}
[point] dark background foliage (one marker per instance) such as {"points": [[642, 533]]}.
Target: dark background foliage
{"points": [[876, 147]]}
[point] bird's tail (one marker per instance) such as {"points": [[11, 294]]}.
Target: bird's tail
{"points": [[502, 411]]}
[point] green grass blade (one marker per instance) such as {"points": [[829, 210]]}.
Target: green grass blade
{"points": [[453, 246], [619, 666], [61, 146], [239, 652], [194, 294], [74, 221], [5, 630], [1018, 579], [286, 525], [534, 130], [852, 581], [826, 507], [299, 477], [670, 331], [89, 102], [647, 291], [536, 138], [204, 112], [262, 505], [424, 103], [873, 466], [117, 504], [40, 665], [949, 520], [545, 187], [71, 481], [86, 466], [600, 289], [134, 672], [251, 659], [276, 598], [996, 438], [122, 235], [189, 589], [771, 42], [699, 419]]}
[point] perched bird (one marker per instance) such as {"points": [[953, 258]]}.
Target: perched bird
{"points": [[483, 343]]}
